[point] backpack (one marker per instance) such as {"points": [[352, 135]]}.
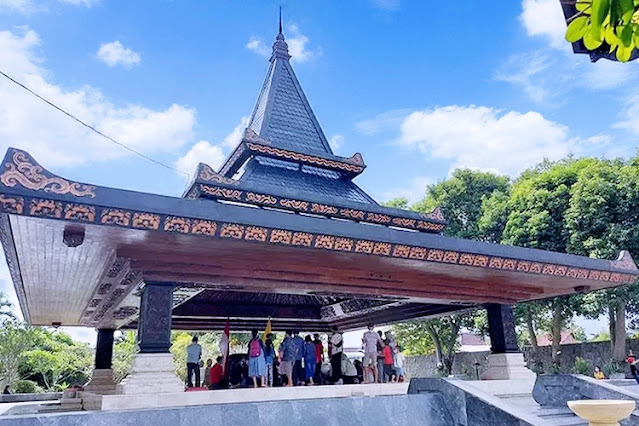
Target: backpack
{"points": [[255, 348]]}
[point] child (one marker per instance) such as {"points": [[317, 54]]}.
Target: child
{"points": [[257, 364], [398, 363], [269, 358], [599, 375], [207, 373], [388, 362]]}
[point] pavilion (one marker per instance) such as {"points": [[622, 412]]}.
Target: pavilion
{"points": [[280, 231]]}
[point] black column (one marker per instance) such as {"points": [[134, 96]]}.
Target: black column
{"points": [[154, 326], [104, 348], [501, 327]]}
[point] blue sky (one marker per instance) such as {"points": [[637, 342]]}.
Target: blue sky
{"points": [[419, 88]]}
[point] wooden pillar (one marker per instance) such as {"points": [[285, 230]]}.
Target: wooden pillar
{"points": [[501, 328], [154, 326], [104, 349], [505, 362], [153, 370], [102, 376]]}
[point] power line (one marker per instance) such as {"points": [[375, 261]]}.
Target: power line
{"points": [[93, 128]]}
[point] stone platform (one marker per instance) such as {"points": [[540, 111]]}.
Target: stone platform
{"points": [[230, 396], [408, 410]]}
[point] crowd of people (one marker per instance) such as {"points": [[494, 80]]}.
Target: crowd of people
{"points": [[299, 361]]}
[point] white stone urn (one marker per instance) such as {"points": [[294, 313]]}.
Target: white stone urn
{"points": [[604, 412]]}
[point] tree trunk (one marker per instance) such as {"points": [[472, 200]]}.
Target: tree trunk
{"points": [[619, 349], [611, 327], [531, 330], [450, 347], [438, 345], [557, 321]]}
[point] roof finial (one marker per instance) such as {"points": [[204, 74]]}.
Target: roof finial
{"points": [[280, 48]]}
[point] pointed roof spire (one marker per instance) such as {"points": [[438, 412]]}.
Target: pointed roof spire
{"points": [[280, 48]]}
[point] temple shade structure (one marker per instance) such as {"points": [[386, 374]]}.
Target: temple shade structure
{"points": [[279, 232]]}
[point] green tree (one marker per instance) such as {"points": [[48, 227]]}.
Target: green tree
{"points": [[57, 360], [539, 201], [602, 220], [124, 350], [461, 198], [6, 309], [15, 340], [398, 203]]}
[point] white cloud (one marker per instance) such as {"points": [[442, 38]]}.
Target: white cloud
{"points": [[114, 54], [297, 45], [213, 155], [201, 152], [413, 192], [525, 70], [336, 142], [85, 3], [258, 46], [630, 115], [386, 4], [54, 139], [485, 138], [547, 77], [545, 18], [382, 122], [28, 7], [233, 138], [24, 7]]}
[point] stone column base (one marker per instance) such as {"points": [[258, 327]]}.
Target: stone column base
{"points": [[101, 382], [507, 367], [151, 373]]}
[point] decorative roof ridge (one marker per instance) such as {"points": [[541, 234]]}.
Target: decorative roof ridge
{"points": [[300, 202], [624, 261], [19, 168], [252, 144]]}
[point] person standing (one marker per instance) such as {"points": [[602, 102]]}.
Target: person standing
{"points": [[371, 342], [632, 361], [381, 377], [287, 355], [337, 345], [319, 358], [269, 358], [298, 370], [309, 359], [398, 363], [193, 355], [257, 364]]}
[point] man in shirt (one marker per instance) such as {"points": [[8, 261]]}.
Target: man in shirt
{"points": [[216, 376], [371, 341], [298, 371], [381, 377], [337, 345], [193, 355], [287, 355]]}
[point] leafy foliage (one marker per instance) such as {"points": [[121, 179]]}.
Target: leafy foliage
{"points": [[610, 23], [582, 366]]}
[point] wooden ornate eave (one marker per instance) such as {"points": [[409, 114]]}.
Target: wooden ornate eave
{"points": [[224, 246]]}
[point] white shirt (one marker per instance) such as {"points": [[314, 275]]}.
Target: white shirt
{"points": [[336, 339], [399, 360]]}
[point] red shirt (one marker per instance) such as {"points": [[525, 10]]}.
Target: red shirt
{"points": [[388, 356], [217, 374], [319, 351]]}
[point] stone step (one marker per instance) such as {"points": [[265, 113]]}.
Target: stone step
{"points": [[566, 421]]}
